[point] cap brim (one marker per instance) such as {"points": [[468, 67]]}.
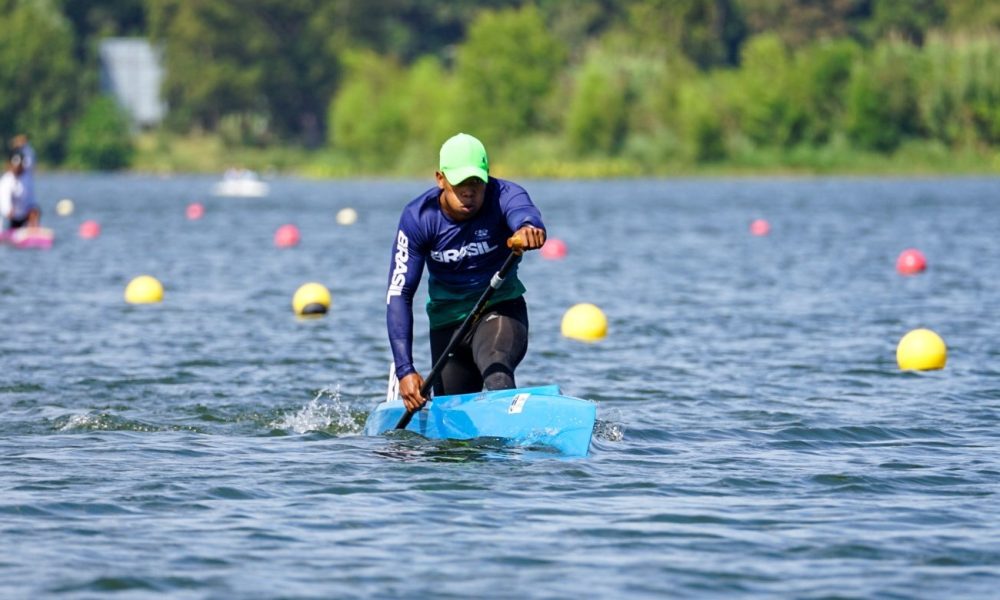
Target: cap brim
{"points": [[459, 174]]}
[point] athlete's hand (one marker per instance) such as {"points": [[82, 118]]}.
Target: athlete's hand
{"points": [[409, 389], [528, 237]]}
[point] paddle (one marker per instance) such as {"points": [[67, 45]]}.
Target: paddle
{"points": [[515, 244]]}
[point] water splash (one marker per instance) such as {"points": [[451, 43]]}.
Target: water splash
{"points": [[611, 428], [327, 411], [100, 421], [84, 422]]}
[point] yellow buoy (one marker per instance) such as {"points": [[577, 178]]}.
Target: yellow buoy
{"points": [[584, 322], [64, 207], [347, 216], [311, 300], [144, 290], [921, 350]]}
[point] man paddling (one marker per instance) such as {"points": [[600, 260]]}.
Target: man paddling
{"points": [[20, 144], [15, 204], [459, 229]]}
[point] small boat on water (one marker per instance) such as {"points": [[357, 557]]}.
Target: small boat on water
{"points": [[529, 416], [28, 237], [241, 183]]}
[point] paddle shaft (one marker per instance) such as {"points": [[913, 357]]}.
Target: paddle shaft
{"points": [[467, 325]]}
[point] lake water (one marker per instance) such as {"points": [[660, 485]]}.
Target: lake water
{"points": [[755, 436]]}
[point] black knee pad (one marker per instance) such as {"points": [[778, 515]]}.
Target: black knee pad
{"points": [[499, 378]]}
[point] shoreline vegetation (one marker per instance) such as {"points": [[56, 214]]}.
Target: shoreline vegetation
{"points": [[160, 153], [620, 88]]}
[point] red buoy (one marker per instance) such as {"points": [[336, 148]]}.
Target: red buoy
{"points": [[90, 229], [286, 236], [760, 227], [553, 249], [910, 262]]}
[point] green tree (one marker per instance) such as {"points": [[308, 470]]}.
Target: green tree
{"points": [[427, 100], [707, 32], [405, 29], [973, 15], [981, 59], [820, 78], [504, 71], [882, 97], [39, 77], [101, 139], [702, 113], [366, 116], [597, 118], [960, 88], [801, 22], [270, 59], [212, 56], [768, 113], [911, 19], [93, 20]]}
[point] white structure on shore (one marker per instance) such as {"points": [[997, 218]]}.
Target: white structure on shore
{"points": [[132, 72]]}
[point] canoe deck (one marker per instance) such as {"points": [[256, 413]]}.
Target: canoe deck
{"points": [[522, 416]]}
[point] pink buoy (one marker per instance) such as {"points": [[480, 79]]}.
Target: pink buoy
{"points": [[910, 262], [760, 227], [195, 211], [90, 230], [286, 236], [553, 249]]}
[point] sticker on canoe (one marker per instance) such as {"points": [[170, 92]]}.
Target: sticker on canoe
{"points": [[517, 404]]}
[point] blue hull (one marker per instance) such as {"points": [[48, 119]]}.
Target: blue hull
{"points": [[522, 416]]}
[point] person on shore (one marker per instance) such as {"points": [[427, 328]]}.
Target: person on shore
{"points": [[15, 206], [459, 228]]}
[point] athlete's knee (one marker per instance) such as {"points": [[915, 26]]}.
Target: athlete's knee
{"points": [[498, 377]]}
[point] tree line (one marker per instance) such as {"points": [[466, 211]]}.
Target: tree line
{"points": [[376, 83]]}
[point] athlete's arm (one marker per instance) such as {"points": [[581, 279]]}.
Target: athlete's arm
{"points": [[6, 196], [532, 238], [523, 217], [405, 269]]}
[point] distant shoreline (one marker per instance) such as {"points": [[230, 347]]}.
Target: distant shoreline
{"points": [[158, 154]]}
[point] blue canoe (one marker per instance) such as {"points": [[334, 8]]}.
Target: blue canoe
{"points": [[522, 417]]}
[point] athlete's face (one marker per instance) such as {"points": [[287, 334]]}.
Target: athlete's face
{"points": [[462, 201]]}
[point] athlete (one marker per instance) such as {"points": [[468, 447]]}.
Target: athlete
{"points": [[15, 205], [20, 144], [460, 229]]}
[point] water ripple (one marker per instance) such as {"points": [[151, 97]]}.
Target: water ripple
{"points": [[755, 436]]}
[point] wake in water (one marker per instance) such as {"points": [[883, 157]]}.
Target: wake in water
{"points": [[326, 412], [611, 428], [100, 421], [609, 431]]}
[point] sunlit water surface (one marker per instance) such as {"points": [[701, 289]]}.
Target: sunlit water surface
{"points": [[755, 435]]}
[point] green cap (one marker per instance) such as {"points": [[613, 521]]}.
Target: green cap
{"points": [[463, 156]]}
